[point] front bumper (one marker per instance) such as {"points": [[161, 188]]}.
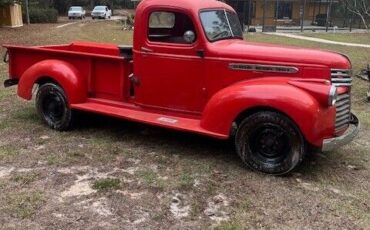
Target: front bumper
{"points": [[333, 143], [74, 15]]}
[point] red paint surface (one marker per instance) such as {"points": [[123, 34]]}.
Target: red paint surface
{"points": [[179, 89]]}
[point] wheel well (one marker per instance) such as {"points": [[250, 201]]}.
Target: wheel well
{"points": [[43, 80], [249, 112]]}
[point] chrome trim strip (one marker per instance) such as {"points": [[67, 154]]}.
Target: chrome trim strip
{"points": [[263, 68]]}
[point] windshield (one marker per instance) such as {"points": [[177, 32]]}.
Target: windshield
{"points": [[221, 24], [75, 8], [100, 8]]}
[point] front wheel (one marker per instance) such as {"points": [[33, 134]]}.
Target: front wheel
{"points": [[53, 108], [270, 142]]}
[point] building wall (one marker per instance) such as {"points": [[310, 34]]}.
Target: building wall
{"points": [[11, 15], [311, 10]]}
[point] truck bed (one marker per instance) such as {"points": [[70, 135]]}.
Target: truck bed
{"points": [[103, 66]]}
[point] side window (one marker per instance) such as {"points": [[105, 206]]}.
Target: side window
{"points": [[169, 27]]}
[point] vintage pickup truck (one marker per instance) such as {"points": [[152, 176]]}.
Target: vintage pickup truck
{"points": [[189, 69]]}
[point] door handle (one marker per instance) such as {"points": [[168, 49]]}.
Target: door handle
{"points": [[146, 50], [200, 53]]}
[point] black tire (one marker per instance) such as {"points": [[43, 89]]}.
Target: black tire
{"points": [[270, 142], [53, 107]]}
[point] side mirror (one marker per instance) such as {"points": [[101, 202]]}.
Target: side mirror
{"points": [[189, 36]]}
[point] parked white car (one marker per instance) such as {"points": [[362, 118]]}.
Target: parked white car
{"points": [[101, 12], [76, 12]]}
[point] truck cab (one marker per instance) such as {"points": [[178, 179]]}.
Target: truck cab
{"points": [[190, 69]]}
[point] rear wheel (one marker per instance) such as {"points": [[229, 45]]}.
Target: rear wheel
{"points": [[270, 142], [53, 108]]}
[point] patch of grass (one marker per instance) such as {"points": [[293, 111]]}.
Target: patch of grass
{"points": [[4, 124], [107, 184], [360, 38], [27, 113], [7, 152], [230, 225], [150, 178], [364, 117], [186, 181], [25, 205], [245, 204], [25, 178], [52, 160], [196, 209]]}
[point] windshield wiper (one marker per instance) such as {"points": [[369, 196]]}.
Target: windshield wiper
{"points": [[224, 33]]}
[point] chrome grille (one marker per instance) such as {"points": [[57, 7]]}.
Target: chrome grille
{"points": [[340, 78]]}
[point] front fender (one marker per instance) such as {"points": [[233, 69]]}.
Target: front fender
{"points": [[63, 73], [315, 121]]}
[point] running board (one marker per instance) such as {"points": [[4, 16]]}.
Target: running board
{"points": [[157, 119]]}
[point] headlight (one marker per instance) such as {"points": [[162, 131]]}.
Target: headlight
{"points": [[333, 96]]}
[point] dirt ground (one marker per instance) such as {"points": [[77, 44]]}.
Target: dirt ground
{"points": [[113, 174]]}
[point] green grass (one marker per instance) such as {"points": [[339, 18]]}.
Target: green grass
{"points": [[186, 181], [151, 179], [25, 178], [24, 205], [107, 184], [230, 225], [360, 38], [8, 151]]}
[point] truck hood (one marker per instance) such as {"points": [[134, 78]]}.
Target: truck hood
{"points": [[274, 54]]}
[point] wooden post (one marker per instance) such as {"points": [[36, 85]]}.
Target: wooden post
{"points": [[345, 16], [303, 3], [264, 15], [249, 13], [313, 13], [328, 10], [244, 13], [27, 13]]}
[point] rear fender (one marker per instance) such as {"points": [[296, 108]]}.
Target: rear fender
{"points": [[314, 120], [63, 73]]}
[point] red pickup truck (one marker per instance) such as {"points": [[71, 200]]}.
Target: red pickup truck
{"points": [[190, 70]]}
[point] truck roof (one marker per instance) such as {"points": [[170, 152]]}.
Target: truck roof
{"points": [[193, 5]]}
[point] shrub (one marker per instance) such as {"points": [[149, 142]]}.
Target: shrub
{"points": [[46, 15]]}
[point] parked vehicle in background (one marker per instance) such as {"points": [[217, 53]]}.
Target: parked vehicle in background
{"points": [[191, 70], [76, 12], [101, 12]]}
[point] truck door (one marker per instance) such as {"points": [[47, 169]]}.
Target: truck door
{"points": [[168, 66]]}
